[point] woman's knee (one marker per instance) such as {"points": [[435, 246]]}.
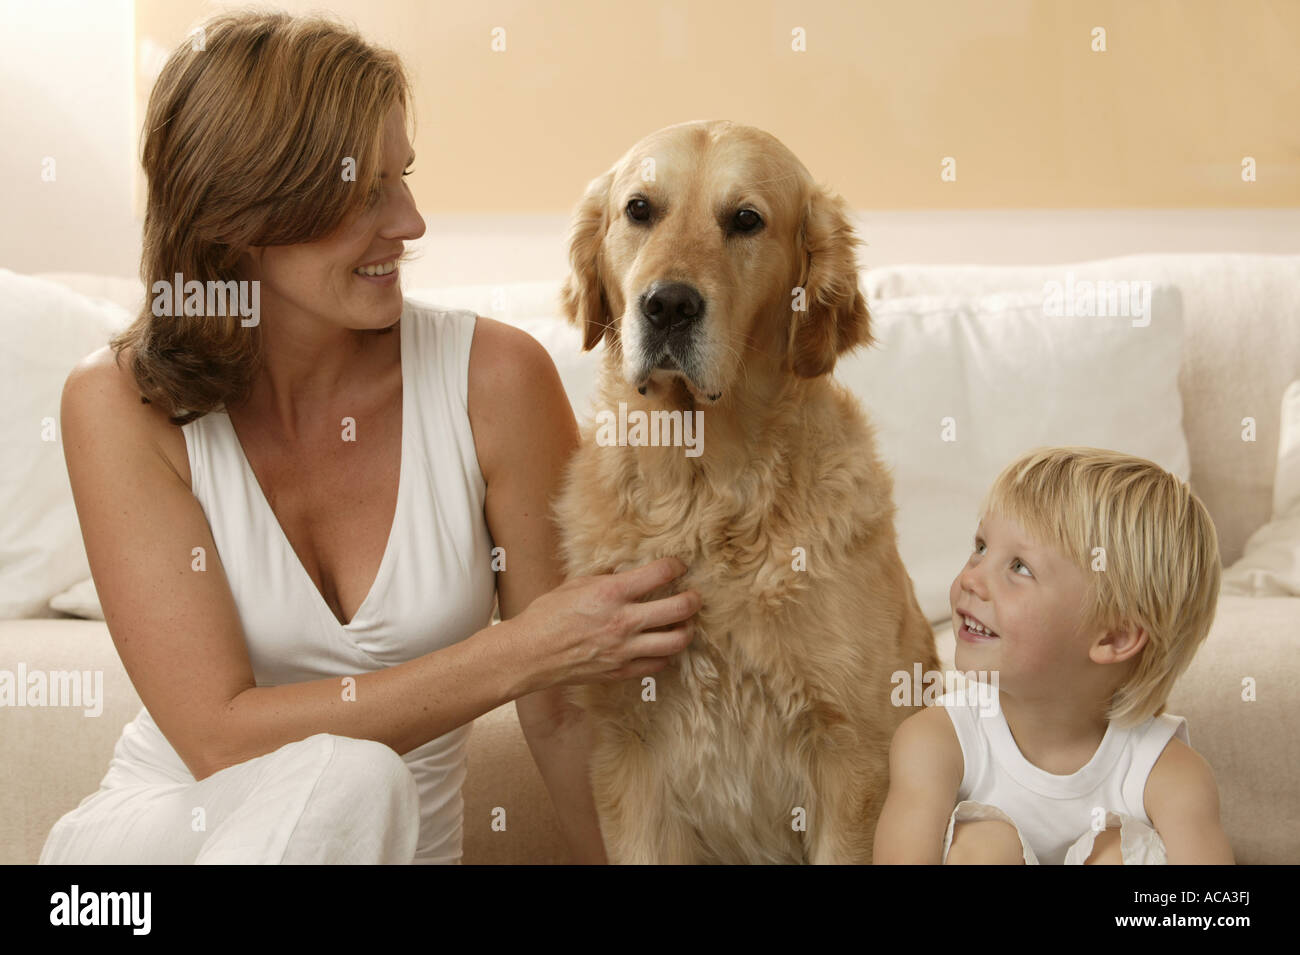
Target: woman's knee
{"points": [[985, 842], [323, 799], [367, 769]]}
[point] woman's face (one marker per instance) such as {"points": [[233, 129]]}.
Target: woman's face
{"points": [[317, 281]]}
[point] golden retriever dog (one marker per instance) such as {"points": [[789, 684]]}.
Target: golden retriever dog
{"points": [[724, 284]]}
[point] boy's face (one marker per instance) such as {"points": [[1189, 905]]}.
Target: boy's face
{"points": [[1032, 597]]}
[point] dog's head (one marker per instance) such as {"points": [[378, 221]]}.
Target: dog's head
{"points": [[707, 252]]}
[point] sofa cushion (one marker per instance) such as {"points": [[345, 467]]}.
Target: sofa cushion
{"points": [[500, 774], [1242, 320], [55, 756], [79, 600], [127, 292]]}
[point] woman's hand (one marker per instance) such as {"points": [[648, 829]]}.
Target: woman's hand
{"points": [[597, 630]]}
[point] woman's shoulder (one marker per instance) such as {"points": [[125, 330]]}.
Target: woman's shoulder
{"points": [[100, 396], [502, 352], [515, 396]]}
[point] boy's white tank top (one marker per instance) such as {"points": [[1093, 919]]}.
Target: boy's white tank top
{"points": [[435, 584], [1053, 811]]}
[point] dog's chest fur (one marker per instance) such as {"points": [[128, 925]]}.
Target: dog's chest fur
{"points": [[711, 725], [729, 726]]}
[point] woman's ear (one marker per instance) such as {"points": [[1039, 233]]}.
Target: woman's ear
{"points": [[583, 293], [835, 317]]}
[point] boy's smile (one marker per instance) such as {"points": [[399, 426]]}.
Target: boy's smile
{"points": [[972, 629]]}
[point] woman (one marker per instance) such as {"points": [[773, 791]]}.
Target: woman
{"points": [[297, 520]]}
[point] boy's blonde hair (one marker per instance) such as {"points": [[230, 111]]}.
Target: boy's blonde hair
{"points": [[1160, 551]]}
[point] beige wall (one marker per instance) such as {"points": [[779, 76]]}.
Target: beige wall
{"points": [[1010, 89]]}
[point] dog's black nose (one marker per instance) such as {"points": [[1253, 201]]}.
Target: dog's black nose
{"points": [[671, 304]]}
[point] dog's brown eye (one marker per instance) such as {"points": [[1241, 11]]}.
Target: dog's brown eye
{"points": [[639, 210], [747, 220]]}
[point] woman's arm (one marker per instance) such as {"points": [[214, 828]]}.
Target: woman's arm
{"points": [[525, 433]]}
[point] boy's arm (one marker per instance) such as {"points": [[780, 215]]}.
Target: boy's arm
{"points": [[1182, 801], [925, 770]]}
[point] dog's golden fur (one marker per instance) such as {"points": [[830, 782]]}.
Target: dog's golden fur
{"points": [[767, 738]]}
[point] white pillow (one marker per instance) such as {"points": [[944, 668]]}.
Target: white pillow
{"points": [[1270, 566], [46, 329], [535, 308], [127, 292], [1010, 378], [79, 600]]}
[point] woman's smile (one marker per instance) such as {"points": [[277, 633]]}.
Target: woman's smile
{"points": [[389, 279]]}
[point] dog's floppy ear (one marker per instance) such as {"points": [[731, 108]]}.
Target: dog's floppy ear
{"points": [[836, 318], [583, 293]]}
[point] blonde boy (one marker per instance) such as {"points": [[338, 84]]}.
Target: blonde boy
{"points": [[1093, 578]]}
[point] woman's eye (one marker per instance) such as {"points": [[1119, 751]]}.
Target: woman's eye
{"points": [[638, 210], [747, 220], [408, 172]]}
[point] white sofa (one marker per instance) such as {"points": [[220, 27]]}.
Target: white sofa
{"points": [[1217, 365]]}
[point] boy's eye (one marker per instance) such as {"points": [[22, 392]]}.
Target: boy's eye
{"points": [[1015, 562]]}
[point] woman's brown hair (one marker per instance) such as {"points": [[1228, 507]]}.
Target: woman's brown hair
{"points": [[247, 132]]}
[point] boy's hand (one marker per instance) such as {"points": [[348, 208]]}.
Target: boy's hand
{"points": [[925, 770], [1182, 801]]}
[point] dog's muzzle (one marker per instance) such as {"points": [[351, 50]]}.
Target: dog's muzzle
{"points": [[671, 316]]}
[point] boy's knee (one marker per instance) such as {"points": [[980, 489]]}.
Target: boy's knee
{"points": [[985, 842], [1106, 849]]}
